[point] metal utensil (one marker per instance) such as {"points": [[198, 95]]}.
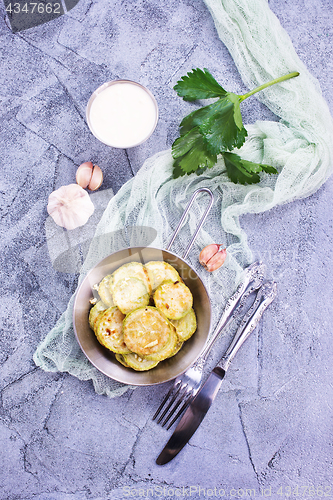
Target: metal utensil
{"points": [[185, 386], [206, 395]]}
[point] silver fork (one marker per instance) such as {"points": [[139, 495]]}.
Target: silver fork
{"points": [[186, 385]]}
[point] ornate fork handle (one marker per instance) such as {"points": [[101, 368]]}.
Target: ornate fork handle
{"points": [[265, 296], [253, 278], [253, 273]]}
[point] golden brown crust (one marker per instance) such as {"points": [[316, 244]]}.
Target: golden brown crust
{"points": [[174, 300], [167, 350], [109, 330], [146, 330]]}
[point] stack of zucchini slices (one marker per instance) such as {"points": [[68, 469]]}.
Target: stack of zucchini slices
{"points": [[144, 313]]}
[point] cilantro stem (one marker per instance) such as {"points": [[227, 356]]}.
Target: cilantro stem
{"points": [[265, 85]]}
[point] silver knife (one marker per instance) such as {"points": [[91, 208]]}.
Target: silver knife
{"points": [[201, 403]]}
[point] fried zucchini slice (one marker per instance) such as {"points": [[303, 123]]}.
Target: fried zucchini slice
{"points": [[104, 291], [146, 331], [120, 358], [131, 270], [178, 347], [186, 326], [167, 350], [129, 294], [139, 364], [174, 300], [109, 330], [95, 312], [159, 271]]}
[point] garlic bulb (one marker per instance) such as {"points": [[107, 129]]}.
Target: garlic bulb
{"points": [[70, 206]]}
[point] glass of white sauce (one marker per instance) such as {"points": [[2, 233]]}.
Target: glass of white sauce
{"points": [[122, 113]]}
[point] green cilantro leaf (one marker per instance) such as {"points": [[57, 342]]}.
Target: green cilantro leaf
{"points": [[198, 84], [215, 129], [244, 171], [220, 129], [237, 112], [268, 169], [191, 153], [185, 142], [196, 118], [217, 124]]}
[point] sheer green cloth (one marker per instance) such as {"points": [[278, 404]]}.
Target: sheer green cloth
{"points": [[300, 146]]}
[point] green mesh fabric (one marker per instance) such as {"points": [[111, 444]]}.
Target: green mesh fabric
{"points": [[300, 146]]}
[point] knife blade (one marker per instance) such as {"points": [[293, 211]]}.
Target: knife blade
{"points": [[193, 417], [204, 398]]}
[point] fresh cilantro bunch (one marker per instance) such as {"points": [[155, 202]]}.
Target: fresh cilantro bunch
{"points": [[214, 129]]}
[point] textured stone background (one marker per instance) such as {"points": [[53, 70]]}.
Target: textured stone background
{"points": [[271, 424]]}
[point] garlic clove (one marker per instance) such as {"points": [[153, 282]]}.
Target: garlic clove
{"points": [[217, 260], [89, 176], [70, 206], [212, 257], [208, 252], [96, 178], [84, 174]]}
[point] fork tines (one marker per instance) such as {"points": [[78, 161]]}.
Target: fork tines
{"points": [[179, 395]]}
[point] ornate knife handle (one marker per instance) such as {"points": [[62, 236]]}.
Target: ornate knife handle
{"points": [[265, 296], [253, 277], [253, 273]]}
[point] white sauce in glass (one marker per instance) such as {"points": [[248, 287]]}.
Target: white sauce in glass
{"points": [[122, 114]]}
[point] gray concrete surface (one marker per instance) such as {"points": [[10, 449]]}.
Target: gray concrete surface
{"points": [[270, 431]]}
